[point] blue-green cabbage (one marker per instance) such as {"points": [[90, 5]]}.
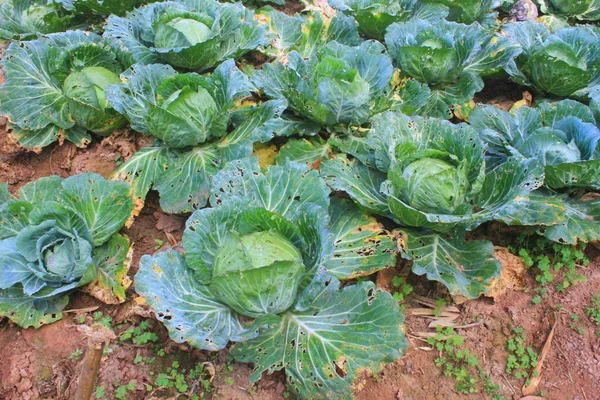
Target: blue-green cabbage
{"points": [[100, 7], [469, 11], [429, 176], [58, 236]]}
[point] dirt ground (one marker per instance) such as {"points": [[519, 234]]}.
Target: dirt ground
{"points": [[40, 364]]}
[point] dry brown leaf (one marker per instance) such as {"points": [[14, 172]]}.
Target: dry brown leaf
{"points": [[212, 371], [512, 275], [536, 374]]}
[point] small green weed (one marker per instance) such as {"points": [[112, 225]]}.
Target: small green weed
{"points": [[139, 334], [75, 355], [99, 393], [99, 318], [403, 290], [458, 362], [521, 359], [439, 307], [551, 262], [593, 312], [593, 309], [178, 378]]}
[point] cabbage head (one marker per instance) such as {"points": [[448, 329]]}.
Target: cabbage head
{"points": [[191, 34], [262, 266], [179, 109], [58, 236]]}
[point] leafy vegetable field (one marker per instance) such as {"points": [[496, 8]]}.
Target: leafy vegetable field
{"points": [[324, 199]]}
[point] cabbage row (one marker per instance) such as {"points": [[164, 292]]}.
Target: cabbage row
{"points": [[308, 151]]}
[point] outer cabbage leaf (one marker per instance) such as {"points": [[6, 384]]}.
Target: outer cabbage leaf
{"points": [[359, 181], [307, 33], [282, 189], [142, 170], [206, 231], [465, 268], [327, 339], [581, 221], [362, 245], [186, 307], [100, 7], [374, 16], [104, 205], [17, 306], [112, 261], [14, 216], [156, 33], [309, 151]]}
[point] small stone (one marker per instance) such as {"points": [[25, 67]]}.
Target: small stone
{"points": [[24, 385]]}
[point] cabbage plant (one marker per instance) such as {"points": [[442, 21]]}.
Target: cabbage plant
{"points": [[190, 34], [583, 10], [192, 118], [469, 11], [262, 267], [449, 57], [562, 136], [24, 19], [431, 174], [374, 16], [337, 85], [564, 64], [58, 236], [54, 89]]}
